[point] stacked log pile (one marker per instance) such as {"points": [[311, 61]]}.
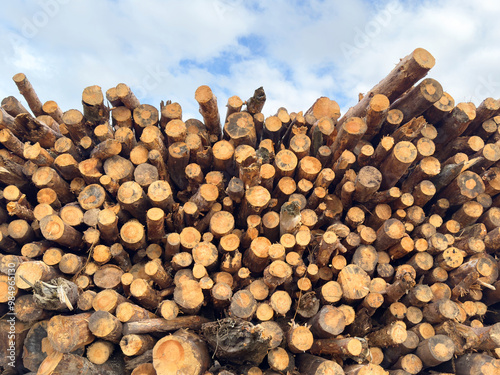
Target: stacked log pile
{"points": [[134, 241]]}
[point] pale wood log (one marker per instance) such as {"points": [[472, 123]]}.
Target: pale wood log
{"points": [[27, 91], [408, 71]]}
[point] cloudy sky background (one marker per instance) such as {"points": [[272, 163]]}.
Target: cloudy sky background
{"points": [[297, 50]]}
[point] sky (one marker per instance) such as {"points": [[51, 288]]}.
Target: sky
{"points": [[297, 50]]}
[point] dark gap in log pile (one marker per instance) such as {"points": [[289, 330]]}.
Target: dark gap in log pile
{"points": [[136, 241]]}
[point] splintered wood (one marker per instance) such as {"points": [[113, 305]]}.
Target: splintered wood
{"points": [[136, 241]]}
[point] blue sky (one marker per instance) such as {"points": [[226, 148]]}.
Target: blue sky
{"points": [[297, 50]]}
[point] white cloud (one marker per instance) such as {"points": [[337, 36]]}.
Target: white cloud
{"points": [[297, 50]]}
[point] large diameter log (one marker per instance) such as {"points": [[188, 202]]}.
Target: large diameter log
{"points": [[476, 363], [182, 352], [406, 73], [68, 333]]}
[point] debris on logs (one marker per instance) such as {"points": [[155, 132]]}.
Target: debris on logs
{"points": [[136, 241]]}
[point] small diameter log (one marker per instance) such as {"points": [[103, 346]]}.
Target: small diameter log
{"points": [[299, 338], [144, 115], [13, 106], [182, 352], [108, 276], [455, 123], [391, 335], [354, 282], [107, 221], [240, 129], [328, 322], [280, 360], [488, 108], [100, 351], [329, 243], [27, 91], [408, 71], [285, 163], [378, 108], [155, 219], [54, 229], [310, 364], [153, 325], [419, 99], [46, 177], [208, 109], [136, 344], [435, 350], [127, 312], [94, 109], [35, 249], [107, 300], [132, 198], [221, 224], [467, 186], [397, 163], [126, 96], [20, 231], [11, 142], [349, 134], [343, 347], [368, 181], [256, 102], [92, 196], [439, 109], [155, 270], [243, 305], [68, 333], [389, 234], [105, 326], [169, 112], [147, 296], [189, 296], [75, 123], [71, 264]]}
